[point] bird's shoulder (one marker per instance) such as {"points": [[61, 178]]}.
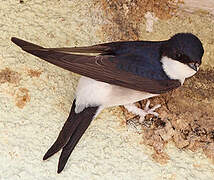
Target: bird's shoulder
{"points": [[141, 58]]}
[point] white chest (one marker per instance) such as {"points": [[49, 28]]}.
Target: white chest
{"points": [[92, 92], [176, 70]]}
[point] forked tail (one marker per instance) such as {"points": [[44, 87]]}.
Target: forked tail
{"points": [[72, 131]]}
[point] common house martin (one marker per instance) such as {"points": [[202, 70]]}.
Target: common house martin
{"points": [[121, 73]]}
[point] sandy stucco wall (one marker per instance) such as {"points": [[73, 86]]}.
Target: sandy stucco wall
{"points": [[35, 97]]}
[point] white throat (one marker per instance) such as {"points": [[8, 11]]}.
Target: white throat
{"points": [[176, 70]]}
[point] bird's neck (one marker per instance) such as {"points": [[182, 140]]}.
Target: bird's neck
{"points": [[176, 70]]}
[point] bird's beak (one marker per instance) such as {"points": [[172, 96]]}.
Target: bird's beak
{"points": [[194, 66]]}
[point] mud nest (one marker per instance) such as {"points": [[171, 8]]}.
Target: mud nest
{"points": [[186, 118]]}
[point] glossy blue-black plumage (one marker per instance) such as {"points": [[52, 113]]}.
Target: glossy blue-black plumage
{"points": [[184, 47], [141, 58], [131, 64]]}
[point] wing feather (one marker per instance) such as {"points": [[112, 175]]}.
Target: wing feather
{"points": [[102, 68]]}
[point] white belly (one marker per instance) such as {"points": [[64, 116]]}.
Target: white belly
{"points": [[91, 92]]}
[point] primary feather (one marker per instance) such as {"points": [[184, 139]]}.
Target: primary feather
{"points": [[126, 64]]}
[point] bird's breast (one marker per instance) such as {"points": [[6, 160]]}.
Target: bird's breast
{"points": [[95, 93]]}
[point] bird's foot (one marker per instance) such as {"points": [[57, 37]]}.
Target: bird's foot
{"points": [[142, 112], [148, 110]]}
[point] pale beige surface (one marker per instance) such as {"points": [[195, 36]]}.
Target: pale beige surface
{"points": [[206, 6], [34, 105]]}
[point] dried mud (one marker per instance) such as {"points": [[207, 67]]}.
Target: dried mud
{"points": [[22, 97], [7, 75], [186, 118], [124, 18], [34, 73]]}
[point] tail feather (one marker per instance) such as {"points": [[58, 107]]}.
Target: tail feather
{"points": [[68, 129], [74, 139], [71, 133]]}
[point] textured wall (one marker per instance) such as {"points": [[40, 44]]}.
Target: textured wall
{"points": [[35, 97], [206, 6]]}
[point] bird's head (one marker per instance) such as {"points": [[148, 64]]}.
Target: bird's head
{"points": [[181, 56]]}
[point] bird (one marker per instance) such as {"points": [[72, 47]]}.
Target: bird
{"points": [[117, 73]]}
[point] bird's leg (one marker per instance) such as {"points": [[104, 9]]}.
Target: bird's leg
{"points": [[142, 112]]}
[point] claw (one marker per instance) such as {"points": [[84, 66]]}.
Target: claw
{"points": [[147, 105], [143, 112]]}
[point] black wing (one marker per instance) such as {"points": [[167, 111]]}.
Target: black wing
{"points": [[120, 63]]}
